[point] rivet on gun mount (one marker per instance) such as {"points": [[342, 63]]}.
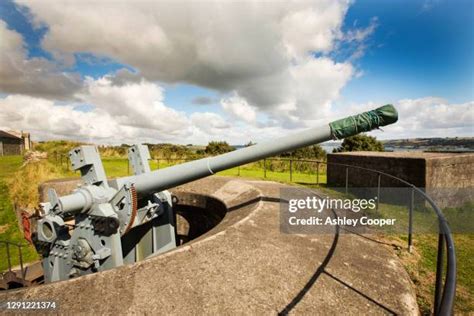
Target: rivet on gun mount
{"points": [[128, 219]]}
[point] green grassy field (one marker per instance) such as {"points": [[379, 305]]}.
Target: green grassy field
{"points": [[117, 167], [9, 165], [255, 171]]}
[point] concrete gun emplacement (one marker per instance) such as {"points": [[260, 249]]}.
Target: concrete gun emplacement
{"points": [[106, 214]]}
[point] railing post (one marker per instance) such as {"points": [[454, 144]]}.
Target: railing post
{"points": [[317, 173], [264, 168], [410, 220], [347, 180], [238, 171], [291, 170], [21, 262], [128, 167], [439, 273], [8, 257], [379, 176]]}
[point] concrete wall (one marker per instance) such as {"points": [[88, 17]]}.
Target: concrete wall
{"points": [[411, 169], [10, 147], [25, 138], [61, 186], [27, 141], [455, 170], [448, 177]]}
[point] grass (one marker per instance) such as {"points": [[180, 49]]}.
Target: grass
{"points": [[9, 228], [8, 165], [117, 167], [255, 171], [421, 264]]}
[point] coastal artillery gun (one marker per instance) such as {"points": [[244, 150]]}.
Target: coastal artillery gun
{"points": [[108, 223]]}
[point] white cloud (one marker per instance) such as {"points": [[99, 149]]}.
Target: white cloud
{"points": [[258, 51], [356, 39], [47, 120], [424, 117], [313, 27], [239, 109], [138, 105], [210, 124], [435, 115], [260, 56], [33, 76], [105, 123], [127, 113], [361, 34]]}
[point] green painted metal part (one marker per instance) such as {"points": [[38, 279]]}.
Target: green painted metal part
{"points": [[364, 122]]}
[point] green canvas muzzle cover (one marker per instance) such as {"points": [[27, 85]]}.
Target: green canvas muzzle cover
{"points": [[364, 122]]}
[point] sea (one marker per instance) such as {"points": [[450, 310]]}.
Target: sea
{"points": [[331, 145]]}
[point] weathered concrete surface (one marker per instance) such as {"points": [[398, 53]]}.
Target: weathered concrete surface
{"points": [[61, 186], [245, 265], [447, 177]]}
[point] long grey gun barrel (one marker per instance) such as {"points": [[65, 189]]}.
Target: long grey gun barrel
{"points": [[176, 175], [170, 177]]}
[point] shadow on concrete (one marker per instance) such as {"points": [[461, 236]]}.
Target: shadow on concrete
{"points": [[256, 200], [360, 293], [315, 276], [371, 239], [321, 270]]}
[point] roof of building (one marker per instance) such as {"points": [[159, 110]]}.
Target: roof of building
{"points": [[4, 134]]}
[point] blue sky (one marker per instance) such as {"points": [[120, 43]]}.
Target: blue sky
{"points": [[417, 50], [413, 53]]}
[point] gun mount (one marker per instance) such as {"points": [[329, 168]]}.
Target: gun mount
{"points": [[102, 224]]}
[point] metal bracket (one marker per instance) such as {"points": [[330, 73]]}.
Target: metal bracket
{"points": [[138, 156], [86, 159], [54, 201], [124, 204]]}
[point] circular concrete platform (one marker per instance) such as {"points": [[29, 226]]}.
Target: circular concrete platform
{"points": [[244, 265]]}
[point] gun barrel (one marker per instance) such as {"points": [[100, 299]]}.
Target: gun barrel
{"points": [[176, 175]]}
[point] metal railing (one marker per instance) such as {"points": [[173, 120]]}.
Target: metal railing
{"points": [[444, 292], [9, 244]]}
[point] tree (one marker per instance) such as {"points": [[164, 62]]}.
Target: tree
{"points": [[217, 148], [310, 152], [360, 142], [250, 143]]}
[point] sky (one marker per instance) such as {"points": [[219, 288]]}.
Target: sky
{"points": [[190, 72]]}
